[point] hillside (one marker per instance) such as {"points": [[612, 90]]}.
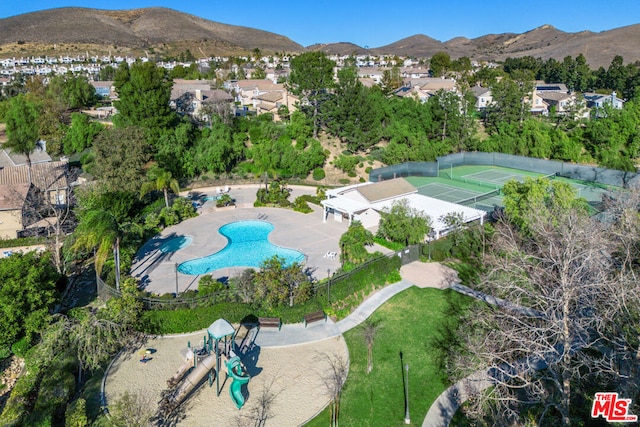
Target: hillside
{"points": [[163, 30], [167, 32]]}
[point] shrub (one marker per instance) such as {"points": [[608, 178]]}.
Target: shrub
{"points": [[300, 205], [318, 174], [183, 207], [20, 348], [169, 217], [208, 285]]}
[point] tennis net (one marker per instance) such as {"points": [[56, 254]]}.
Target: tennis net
{"points": [[479, 197]]}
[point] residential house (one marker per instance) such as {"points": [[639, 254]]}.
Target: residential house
{"points": [[596, 100], [483, 97], [105, 89], [424, 88], [190, 97], [13, 199], [250, 93], [270, 102], [47, 178]]}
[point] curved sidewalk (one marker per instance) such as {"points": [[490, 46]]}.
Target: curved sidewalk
{"points": [[299, 334]]}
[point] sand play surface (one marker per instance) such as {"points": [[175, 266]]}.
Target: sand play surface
{"points": [[294, 374]]}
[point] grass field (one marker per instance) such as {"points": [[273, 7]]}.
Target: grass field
{"points": [[413, 322]]}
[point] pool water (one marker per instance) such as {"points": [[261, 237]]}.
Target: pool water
{"points": [[175, 244], [248, 246]]}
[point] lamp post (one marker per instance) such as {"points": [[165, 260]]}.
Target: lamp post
{"points": [[176, 268], [407, 417], [329, 285], [405, 382]]}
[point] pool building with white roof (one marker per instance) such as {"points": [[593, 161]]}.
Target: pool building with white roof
{"points": [[364, 202]]}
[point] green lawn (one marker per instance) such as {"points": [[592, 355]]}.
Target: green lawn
{"points": [[413, 322]]}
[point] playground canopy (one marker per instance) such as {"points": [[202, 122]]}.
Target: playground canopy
{"points": [[220, 329]]}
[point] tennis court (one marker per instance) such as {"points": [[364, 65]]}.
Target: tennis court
{"points": [[466, 194]]}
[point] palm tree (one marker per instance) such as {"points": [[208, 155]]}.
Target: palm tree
{"points": [[160, 180], [100, 231], [369, 330], [353, 242]]}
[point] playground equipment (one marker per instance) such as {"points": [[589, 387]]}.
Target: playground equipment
{"points": [[188, 364], [203, 361], [239, 378]]}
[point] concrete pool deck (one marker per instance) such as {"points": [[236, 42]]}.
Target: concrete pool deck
{"points": [[306, 233]]}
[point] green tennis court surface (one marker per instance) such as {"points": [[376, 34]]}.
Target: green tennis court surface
{"points": [[480, 186]]}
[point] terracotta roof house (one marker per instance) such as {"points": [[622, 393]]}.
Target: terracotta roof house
{"points": [[367, 201], [13, 198]]}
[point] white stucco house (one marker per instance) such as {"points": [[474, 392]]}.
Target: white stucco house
{"points": [[365, 202]]}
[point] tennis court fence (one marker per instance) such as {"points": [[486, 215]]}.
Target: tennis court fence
{"points": [[549, 168]]}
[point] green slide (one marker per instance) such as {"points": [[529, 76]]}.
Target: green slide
{"points": [[234, 369]]}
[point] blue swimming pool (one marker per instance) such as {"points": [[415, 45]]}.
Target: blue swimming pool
{"points": [[248, 246], [175, 244]]}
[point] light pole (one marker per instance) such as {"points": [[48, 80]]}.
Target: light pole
{"points": [[329, 285], [407, 417], [176, 268]]}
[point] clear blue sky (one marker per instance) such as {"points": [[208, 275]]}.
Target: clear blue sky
{"points": [[376, 23]]}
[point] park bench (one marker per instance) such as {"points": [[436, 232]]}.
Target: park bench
{"points": [[270, 322], [314, 317]]}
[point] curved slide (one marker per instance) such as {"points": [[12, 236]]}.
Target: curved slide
{"points": [[191, 381], [234, 369]]}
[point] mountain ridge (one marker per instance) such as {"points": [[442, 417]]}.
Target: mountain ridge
{"points": [[167, 32]]}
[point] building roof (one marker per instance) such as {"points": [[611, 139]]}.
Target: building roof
{"points": [[13, 197], [270, 96], [9, 158], [480, 91], [555, 96], [385, 190], [436, 209], [44, 176]]}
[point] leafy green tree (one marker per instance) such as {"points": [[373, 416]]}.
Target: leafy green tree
{"points": [[22, 127], [310, 78], [439, 64], [121, 155], [391, 80], [80, 134], [76, 414], [277, 285], [160, 180], [509, 101], [354, 113], [74, 92], [404, 224], [27, 293], [144, 91], [218, 150], [353, 243], [539, 195], [259, 73]]}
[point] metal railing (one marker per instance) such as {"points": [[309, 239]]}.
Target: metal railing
{"points": [[406, 255]]}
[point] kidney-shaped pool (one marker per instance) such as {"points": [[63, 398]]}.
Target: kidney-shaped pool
{"points": [[248, 246]]}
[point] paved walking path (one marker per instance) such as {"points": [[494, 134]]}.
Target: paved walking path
{"points": [[299, 334]]}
